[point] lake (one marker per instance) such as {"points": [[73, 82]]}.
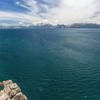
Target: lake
{"points": [[52, 64]]}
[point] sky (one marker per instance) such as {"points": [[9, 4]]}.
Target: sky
{"points": [[26, 12]]}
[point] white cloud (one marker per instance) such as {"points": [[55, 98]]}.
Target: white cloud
{"points": [[65, 12], [70, 11], [25, 18], [17, 3]]}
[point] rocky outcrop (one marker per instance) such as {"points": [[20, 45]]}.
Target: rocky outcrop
{"points": [[11, 91]]}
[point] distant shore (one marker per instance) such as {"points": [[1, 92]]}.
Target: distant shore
{"points": [[76, 25]]}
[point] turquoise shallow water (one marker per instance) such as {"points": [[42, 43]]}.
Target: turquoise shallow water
{"points": [[52, 64]]}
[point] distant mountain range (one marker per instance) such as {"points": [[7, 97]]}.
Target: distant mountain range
{"points": [[76, 25], [85, 25]]}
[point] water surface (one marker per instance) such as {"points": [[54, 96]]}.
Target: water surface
{"points": [[52, 64]]}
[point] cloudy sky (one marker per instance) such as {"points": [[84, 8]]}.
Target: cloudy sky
{"points": [[49, 11]]}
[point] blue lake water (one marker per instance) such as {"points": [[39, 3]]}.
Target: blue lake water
{"points": [[52, 64]]}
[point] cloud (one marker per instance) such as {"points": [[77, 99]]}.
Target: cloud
{"points": [[56, 11], [31, 5], [17, 3], [70, 11], [25, 18]]}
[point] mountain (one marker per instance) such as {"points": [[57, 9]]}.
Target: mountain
{"points": [[85, 25], [76, 25]]}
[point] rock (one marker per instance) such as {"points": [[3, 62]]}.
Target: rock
{"points": [[11, 91]]}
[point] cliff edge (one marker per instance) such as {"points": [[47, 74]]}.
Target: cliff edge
{"points": [[11, 91]]}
